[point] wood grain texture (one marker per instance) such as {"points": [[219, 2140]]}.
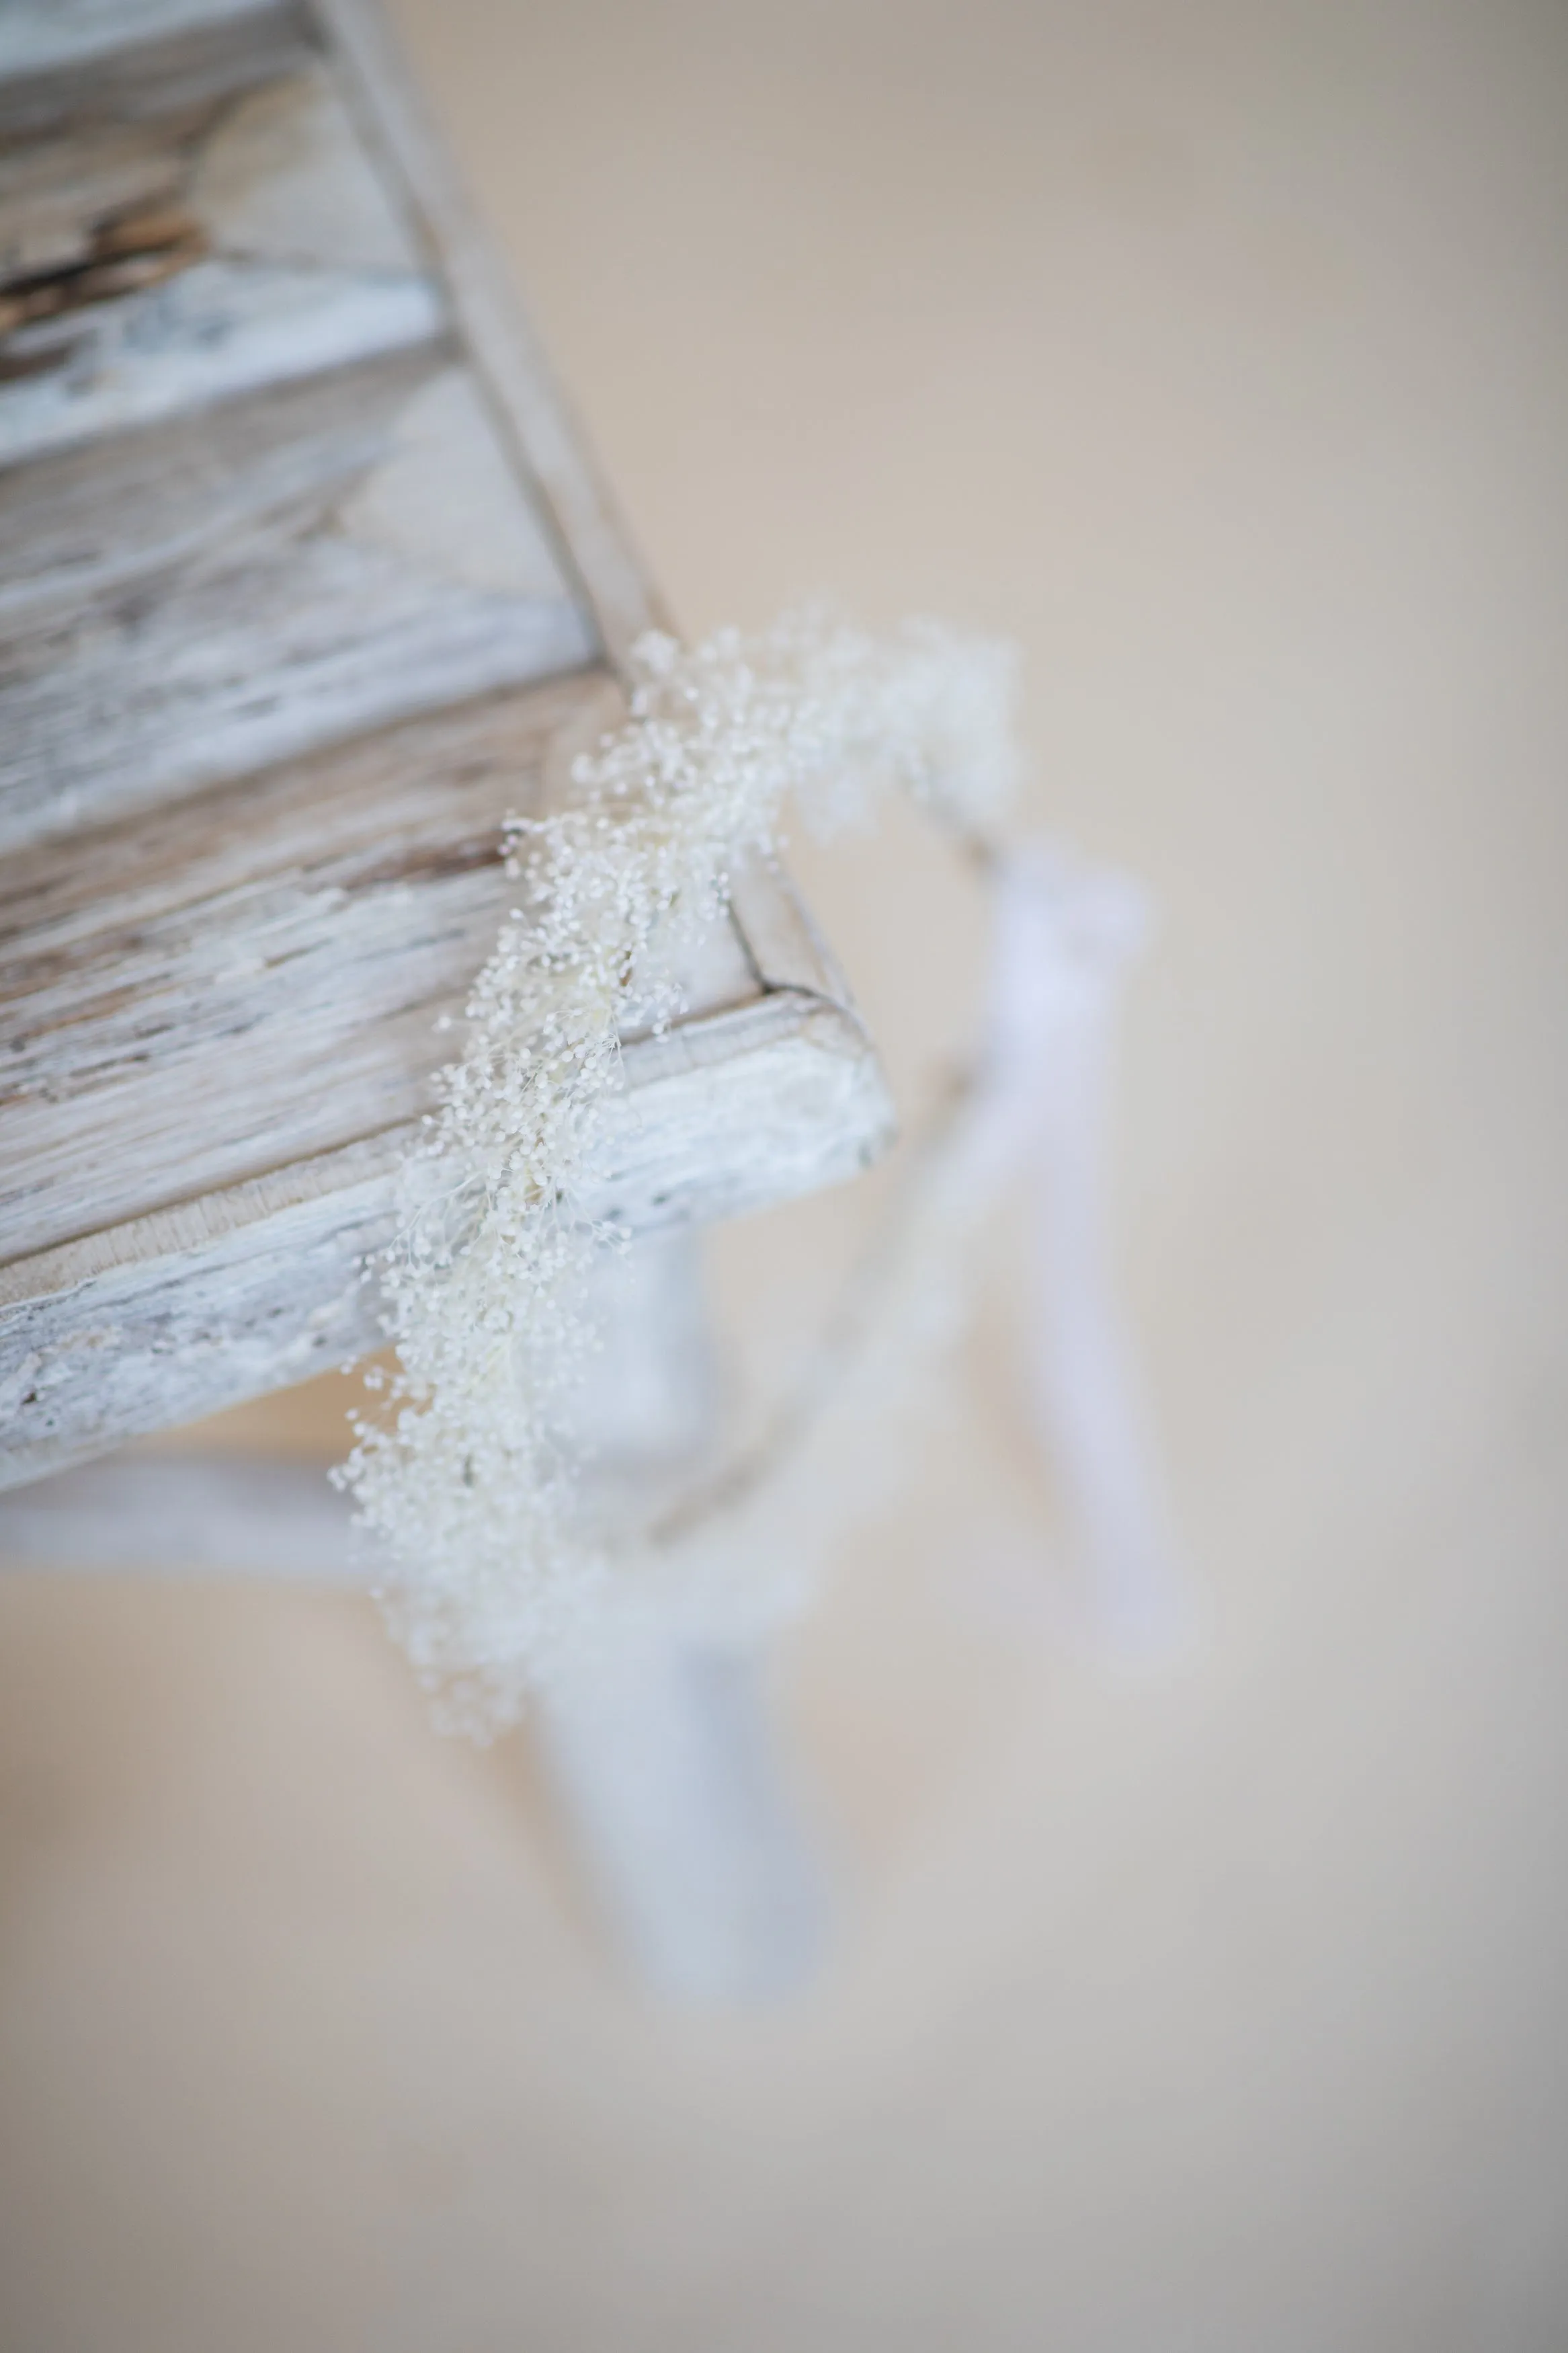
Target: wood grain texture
{"points": [[504, 351], [193, 604], [306, 266], [304, 585], [217, 1315], [69, 65], [184, 982], [53, 198], [196, 1307], [784, 946], [225, 988]]}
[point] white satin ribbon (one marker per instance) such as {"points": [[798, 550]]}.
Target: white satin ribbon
{"points": [[1064, 934]]}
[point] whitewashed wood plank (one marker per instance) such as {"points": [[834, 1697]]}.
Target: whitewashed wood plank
{"points": [[309, 267], [217, 1317], [316, 1023], [447, 497], [736, 1110], [647, 1415], [240, 1292], [275, 175], [283, 176], [218, 329], [206, 994], [426, 797], [84, 532], [303, 649], [46, 36], [502, 345], [785, 949], [67, 63], [178, 1309], [172, 992], [302, 573], [55, 195]]}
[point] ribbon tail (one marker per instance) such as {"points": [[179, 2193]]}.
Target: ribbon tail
{"points": [[1066, 935]]}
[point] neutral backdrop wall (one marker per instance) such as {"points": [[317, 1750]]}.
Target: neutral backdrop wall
{"points": [[1217, 352]]}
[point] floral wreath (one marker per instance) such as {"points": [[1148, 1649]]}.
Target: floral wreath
{"points": [[498, 1571]]}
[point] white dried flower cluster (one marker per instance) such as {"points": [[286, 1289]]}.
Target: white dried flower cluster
{"points": [[472, 1482]]}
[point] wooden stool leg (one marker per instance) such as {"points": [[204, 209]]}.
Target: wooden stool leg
{"points": [[660, 1747], [666, 1762], [661, 1744]]}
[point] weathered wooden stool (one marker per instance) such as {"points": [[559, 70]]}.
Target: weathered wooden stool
{"points": [[304, 583]]}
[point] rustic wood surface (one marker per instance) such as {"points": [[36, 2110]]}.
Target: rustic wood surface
{"points": [[185, 605], [281, 979], [269, 245], [305, 585], [279, 975], [66, 65], [199, 1305], [504, 351]]}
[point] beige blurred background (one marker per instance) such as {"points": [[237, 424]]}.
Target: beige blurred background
{"points": [[1218, 353]]}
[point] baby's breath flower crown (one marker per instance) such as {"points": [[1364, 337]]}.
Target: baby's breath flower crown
{"points": [[468, 1481]]}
